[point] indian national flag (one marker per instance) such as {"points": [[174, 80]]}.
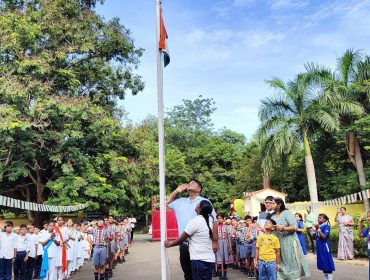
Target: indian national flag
{"points": [[163, 46]]}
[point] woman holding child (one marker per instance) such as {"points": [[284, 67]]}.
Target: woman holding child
{"points": [[293, 263]]}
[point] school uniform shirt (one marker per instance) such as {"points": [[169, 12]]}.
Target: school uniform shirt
{"points": [[22, 243], [200, 243], [40, 249], [112, 231], [223, 231], [7, 245], [132, 222], [33, 242], [267, 243], [53, 250], [64, 237], [100, 236], [241, 234]]}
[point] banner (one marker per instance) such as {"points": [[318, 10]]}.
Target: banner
{"points": [[347, 199], [26, 205]]}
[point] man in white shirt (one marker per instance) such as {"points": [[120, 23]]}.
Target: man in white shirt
{"points": [[132, 222], [22, 246], [7, 251], [50, 240], [32, 238]]}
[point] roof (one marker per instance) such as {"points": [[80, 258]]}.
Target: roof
{"points": [[249, 195]]}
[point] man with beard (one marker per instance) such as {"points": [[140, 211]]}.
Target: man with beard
{"points": [[184, 208]]}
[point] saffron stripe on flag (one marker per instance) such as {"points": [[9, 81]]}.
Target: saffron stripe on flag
{"points": [[163, 46]]}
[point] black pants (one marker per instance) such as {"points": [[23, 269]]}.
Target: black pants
{"points": [[185, 261], [309, 233], [132, 234], [30, 266], [20, 266], [38, 262]]}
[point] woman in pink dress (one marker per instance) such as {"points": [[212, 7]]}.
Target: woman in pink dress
{"points": [[345, 244]]}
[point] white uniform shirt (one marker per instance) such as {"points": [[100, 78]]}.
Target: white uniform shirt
{"points": [[53, 249], [132, 222], [23, 243], [7, 245], [200, 243], [32, 238], [40, 249]]}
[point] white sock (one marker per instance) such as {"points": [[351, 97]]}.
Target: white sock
{"points": [[330, 276]]}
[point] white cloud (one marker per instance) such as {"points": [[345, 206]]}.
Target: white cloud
{"points": [[287, 4], [239, 3], [258, 38]]}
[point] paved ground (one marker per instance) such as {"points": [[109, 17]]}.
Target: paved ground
{"points": [[143, 262]]}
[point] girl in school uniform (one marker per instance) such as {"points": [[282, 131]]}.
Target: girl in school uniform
{"points": [[224, 253], [323, 249], [300, 231], [71, 238]]}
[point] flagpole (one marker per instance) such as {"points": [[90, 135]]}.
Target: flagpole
{"points": [[162, 183]]}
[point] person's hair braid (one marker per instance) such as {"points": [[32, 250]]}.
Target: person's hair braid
{"points": [[205, 211], [206, 217]]}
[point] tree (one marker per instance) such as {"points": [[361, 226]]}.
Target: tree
{"points": [[348, 84], [62, 67], [291, 118]]}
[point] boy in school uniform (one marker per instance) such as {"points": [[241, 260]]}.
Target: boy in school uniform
{"points": [[39, 254], [365, 232], [23, 247], [251, 237], [267, 259], [100, 242], [7, 251], [50, 241], [32, 238]]}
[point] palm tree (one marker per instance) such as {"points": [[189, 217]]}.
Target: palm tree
{"points": [[290, 118], [351, 84]]}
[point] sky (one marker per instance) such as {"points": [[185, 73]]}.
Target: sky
{"points": [[226, 49]]}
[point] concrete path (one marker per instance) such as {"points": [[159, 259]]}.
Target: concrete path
{"points": [[143, 262]]}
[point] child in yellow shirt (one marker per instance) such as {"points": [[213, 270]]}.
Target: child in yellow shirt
{"points": [[267, 259]]}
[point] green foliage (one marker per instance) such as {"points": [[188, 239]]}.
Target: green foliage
{"points": [[62, 70]]}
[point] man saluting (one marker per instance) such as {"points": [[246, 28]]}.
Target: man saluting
{"points": [[184, 208]]}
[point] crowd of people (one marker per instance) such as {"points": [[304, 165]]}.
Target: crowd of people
{"points": [[270, 246], [58, 249]]}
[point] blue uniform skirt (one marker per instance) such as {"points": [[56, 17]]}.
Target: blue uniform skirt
{"points": [[242, 250], [222, 255]]}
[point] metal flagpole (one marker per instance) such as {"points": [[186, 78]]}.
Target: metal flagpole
{"points": [[162, 183]]}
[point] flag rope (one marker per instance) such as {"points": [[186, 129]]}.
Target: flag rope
{"points": [[27, 205]]}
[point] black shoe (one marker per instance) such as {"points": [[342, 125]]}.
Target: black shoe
{"points": [[214, 274]]}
